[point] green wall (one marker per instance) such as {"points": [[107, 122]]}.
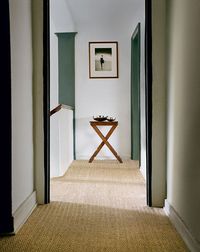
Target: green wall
{"points": [[135, 94], [66, 68]]}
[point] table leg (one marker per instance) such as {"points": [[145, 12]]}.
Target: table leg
{"points": [[105, 141], [113, 151], [96, 152]]}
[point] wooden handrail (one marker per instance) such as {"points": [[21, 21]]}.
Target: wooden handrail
{"points": [[56, 109]]}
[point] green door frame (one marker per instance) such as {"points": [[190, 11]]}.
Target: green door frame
{"points": [[135, 94]]}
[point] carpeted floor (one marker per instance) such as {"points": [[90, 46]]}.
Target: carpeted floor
{"points": [[98, 207]]}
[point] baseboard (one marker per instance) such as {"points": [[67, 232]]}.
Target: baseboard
{"points": [[24, 211], [185, 233], [79, 157]]}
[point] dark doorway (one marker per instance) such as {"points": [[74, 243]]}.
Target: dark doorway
{"points": [[148, 97], [6, 219], [46, 97]]}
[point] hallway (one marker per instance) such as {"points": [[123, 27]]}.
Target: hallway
{"points": [[97, 207], [173, 45]]}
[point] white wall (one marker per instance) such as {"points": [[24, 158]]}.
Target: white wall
{"points": [[183, 159], [61, 124], [54, 145], [142, 97], [105, 96], [22, 110], [61, 151], [102, 97]]}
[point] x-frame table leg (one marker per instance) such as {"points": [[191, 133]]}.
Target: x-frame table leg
{"points": [[105, 141]]}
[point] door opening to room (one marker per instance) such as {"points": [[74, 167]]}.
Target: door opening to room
{"points": [[63, 107]]}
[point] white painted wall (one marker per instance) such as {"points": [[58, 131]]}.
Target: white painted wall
{"points": [[22, 109], [61, 123], [103, 96], [54, 145], [142, 96], [183, 159], [106, 96], [61, 151]]}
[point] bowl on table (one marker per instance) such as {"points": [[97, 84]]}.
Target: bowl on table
{"points": [[100, 118], [111, 119]]}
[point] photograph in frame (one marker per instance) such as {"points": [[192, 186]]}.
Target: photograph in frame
{"points": [[103, 59]]}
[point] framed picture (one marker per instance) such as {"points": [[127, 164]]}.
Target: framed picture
{"points": [[103, 59]]}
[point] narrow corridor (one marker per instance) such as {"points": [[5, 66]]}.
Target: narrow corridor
{"points": [[97, 207]]}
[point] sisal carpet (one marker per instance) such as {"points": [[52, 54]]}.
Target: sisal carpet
{"points": [[98, 207]]}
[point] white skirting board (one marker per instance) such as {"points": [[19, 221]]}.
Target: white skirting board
{"points": [[98, 157], [24, 211], [186, 235]]}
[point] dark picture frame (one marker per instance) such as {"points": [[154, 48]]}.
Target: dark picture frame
{"points": [[103, 59]]}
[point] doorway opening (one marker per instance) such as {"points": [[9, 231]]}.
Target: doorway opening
{"points": [[72, 118], [6, 175]]}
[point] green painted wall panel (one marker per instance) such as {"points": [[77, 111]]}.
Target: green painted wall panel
{"points": [[135, 94], [66, 68]]}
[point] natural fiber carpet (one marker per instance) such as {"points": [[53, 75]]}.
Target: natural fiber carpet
{"points": [[97, 207]]}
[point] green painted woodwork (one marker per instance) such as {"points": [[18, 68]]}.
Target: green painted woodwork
{"points": [[135, 94], [74, 135], [66, 68]]}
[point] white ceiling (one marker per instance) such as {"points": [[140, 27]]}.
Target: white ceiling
{"points": [[85, 12]]}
